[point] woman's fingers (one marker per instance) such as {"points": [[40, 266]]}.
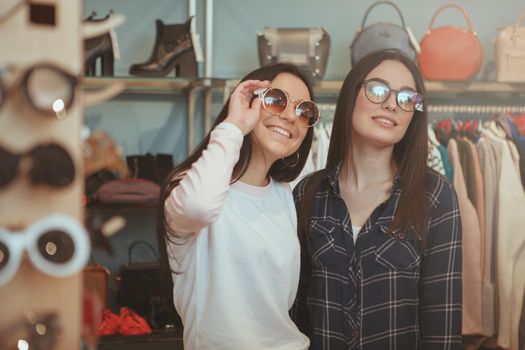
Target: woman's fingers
{"points": [[242, 111]]}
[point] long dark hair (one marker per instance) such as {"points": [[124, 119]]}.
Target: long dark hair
{"points": [[410, 154], [279, 171]]}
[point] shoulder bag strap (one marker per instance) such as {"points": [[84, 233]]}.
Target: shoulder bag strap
{"points": [[134, 244]]}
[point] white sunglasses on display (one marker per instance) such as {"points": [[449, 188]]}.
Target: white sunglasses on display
{"points": [[57, 245]]}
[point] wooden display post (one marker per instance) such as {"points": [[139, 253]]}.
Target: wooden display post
{"points": [[41, 31]]}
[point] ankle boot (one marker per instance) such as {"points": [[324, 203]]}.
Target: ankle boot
{"points": [[173, 50], [99, 48]]}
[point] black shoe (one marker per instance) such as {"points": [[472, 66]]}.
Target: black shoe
{"points": [[99, 48], [173, 50]]}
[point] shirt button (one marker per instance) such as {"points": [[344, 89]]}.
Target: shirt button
{"points": [[355, 333]]}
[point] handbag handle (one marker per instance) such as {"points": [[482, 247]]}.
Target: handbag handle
{"points": [[136, 243], [380, 3], [461, 9], [518, 22]]}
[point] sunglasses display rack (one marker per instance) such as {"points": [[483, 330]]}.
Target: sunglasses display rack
{"points": [[43, 243]]}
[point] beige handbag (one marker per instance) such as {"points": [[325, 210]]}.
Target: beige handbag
{"points": [[308, 48], [510, 53]]}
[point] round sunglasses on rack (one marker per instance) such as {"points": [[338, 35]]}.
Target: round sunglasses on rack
{"points": [[275, 101], [377, 91], [57, 245], [48, 89]]}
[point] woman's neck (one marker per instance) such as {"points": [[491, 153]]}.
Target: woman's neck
{"points": [[368, 165], [256, 173]]}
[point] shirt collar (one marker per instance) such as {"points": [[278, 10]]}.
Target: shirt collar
{"points": [[333, 175]]}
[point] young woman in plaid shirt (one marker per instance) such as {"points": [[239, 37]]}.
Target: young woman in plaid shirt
{"points": [[380, 231]]}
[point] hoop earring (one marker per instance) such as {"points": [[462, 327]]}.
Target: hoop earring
{"points": [[294, 164]]}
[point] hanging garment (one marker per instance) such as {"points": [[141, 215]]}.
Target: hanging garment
{"points": [[446, 162], [510, 243], [471, 248], [477, 180], [489, 152], [519, 141], [434, 159]]}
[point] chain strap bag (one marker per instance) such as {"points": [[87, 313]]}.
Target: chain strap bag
{"points": [[383, 35], [450, 52], [510, 53], [308, 48]]}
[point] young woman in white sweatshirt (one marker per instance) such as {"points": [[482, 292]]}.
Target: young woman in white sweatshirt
{"points": [[229, 222]]}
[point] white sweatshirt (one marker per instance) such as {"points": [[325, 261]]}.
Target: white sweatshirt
{"points": [[240, 263]]}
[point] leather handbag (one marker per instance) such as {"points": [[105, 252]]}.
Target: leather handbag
{"points": [[510, 53], [450, 52], [128, 191], [308, 48], [138, 281], [381, 36]]}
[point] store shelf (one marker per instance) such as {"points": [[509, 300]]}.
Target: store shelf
{"points": [[139, 85], [159, 339], [324, 87]]}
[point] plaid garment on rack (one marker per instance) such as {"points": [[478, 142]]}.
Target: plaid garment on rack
{"points": [[384, 292]]}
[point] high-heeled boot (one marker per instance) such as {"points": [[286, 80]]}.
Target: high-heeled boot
{"points": [[99, 48], [173, 50]]}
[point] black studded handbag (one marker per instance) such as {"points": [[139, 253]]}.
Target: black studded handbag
{"points": [[308, 48]]}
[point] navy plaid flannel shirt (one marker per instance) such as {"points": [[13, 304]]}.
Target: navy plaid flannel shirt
{"points": [[384, 292]]}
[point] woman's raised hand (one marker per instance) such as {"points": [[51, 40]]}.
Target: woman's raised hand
{"points": [[240, 112]]}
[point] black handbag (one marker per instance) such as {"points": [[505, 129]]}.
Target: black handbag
{"points": [[381, 36], [138, 281], [308, 48], [140, 290]]}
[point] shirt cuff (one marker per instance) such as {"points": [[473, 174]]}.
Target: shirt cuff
{"points": [[229, 126]]}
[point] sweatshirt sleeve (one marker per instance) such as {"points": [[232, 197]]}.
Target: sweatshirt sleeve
{"points": [[198, 198]]}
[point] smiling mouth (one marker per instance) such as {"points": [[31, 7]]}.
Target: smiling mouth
{"points": [[385, 121], [280, 131]]}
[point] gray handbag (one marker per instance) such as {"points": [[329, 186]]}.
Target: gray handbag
{"points": [[381, 36], [308, 48]]}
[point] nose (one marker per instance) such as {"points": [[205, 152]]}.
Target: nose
{"points": [[289, 113], [390, 103]]}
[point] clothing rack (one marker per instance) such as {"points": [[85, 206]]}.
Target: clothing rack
{"points": [[476, 109], [444, 108]]}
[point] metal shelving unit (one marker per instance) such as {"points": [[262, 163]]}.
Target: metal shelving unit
{"points": [[486, 91]]}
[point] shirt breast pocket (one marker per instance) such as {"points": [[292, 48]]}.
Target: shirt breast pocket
{"points": [[398, 253], [326, 244]]}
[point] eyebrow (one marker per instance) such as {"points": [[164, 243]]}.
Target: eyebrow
{"points": [[404, 87]]}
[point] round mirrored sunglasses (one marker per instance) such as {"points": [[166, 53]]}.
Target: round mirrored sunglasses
{"points": [[275, 101]]}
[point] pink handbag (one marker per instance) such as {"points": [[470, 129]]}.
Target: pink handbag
{"points": [[510, 53], [129, 191]]}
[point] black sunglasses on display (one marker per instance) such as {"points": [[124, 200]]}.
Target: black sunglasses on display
{"points": [[50, 164]]}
